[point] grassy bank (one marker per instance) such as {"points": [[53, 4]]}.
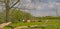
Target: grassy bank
{"points": [[51, 24]]}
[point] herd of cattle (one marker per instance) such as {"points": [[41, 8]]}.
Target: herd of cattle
{"points": [[31, 21]]}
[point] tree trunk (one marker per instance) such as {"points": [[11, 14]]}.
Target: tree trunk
{"points": [[7, 6], [7, 10]]}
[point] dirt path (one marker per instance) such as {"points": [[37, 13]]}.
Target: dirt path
{"points": [[21, 27], [25, 26], [4, 24]]}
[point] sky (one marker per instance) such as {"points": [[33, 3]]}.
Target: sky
{"points": [[41, 7]]}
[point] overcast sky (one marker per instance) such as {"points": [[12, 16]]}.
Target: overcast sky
{"points": [[41, 7]]}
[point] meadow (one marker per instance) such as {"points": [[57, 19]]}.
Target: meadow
{"points": [[50, 24]]}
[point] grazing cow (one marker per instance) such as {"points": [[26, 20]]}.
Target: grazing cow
{"points": [[28, 20], [39, 21], [31, 20]]}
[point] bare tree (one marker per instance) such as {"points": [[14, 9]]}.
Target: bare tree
{"points": [[8, 5]]}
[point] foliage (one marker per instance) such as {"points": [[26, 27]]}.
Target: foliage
{"points": [[49, 18], [15, 15]]}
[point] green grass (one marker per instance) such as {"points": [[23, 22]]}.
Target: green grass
{"points": [[53, 24], [26, 24], [7, 28]]}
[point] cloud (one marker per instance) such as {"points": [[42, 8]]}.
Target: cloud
{"points": [[57, 3], [51, 5], [42, 7]]}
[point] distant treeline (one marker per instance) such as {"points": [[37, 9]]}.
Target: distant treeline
{"points": [[50, 17]]}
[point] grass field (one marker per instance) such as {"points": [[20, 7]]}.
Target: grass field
{"points": [[51, 24]]}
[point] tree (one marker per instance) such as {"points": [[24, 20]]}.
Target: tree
{"points": [[8, 6], [16, 15]]}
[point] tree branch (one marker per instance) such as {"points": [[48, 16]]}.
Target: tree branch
{"points": [[14, 4], [2, 1]]}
